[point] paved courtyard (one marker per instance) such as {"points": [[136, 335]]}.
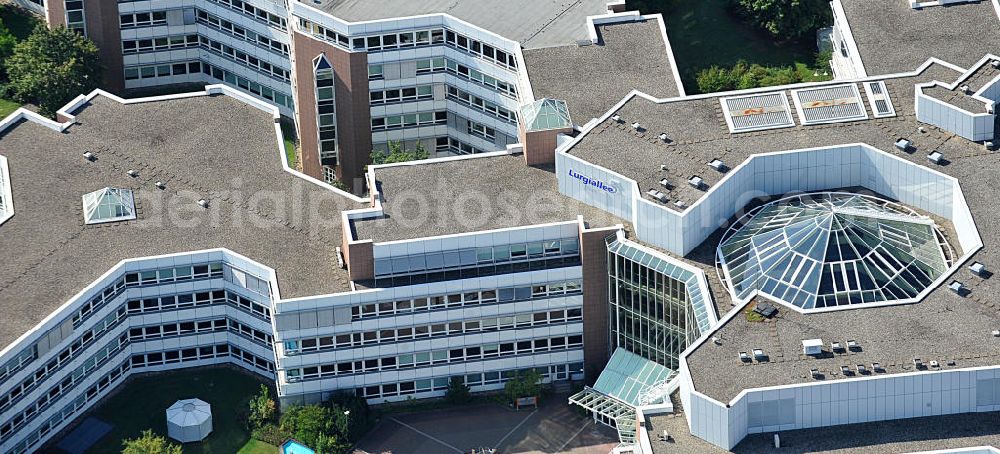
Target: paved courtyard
{"points": [[552, 428]]}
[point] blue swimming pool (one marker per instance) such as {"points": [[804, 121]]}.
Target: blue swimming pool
{"points": [[294, 447]]}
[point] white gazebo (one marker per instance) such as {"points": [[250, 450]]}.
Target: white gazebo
{"points": [[189, 420]]}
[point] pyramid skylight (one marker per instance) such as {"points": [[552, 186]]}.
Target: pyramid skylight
{"points": [[833, 249], [108, 205], [546, 114]]}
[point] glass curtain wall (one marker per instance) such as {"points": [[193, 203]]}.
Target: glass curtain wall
{"points": [[651, 313]]}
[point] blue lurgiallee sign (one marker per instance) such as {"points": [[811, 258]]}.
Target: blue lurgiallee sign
{"points": [[592, 182]]}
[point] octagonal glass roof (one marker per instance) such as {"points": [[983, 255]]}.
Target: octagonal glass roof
{"points": [[832, 249]]}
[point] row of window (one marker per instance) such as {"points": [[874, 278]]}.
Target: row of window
{"points": [[433, 65], [455, 145], [395, 95], [258, 14], [243, 33], [134, 46], [245, 59], [326, 111], [141, 333], [348, 340], [474, 256], [391, 122], [489, 296], [413, 38], [555, 372], [258, 89], [147, 305], [481, 105], [147, 19], [446, 356], [477, 271], [173, 69], [480, 130]]}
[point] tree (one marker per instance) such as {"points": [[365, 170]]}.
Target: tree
{"points": [[525, 384], [7, 43], [320, 427], [398, 154], [744, 76], [786, 19], [458, 392], [262, 408], [52, 67], [150, 443]]}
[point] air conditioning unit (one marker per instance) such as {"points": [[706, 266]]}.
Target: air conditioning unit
{"points": [[812, 347], [903, 144], [977, 268], [935, 157], [696, 182], [717, 165]]}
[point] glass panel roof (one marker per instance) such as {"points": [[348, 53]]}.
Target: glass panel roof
{"points": [[832, 249], [545, 114], [108, 205]]}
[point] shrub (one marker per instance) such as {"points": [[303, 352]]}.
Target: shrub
{"points": [[320, 427], [262, 408], [150, 443], [526, 384], [744, 76], [458, 392], [397, 153]]}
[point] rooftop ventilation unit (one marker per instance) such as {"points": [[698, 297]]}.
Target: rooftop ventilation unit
{"points": [[921, 129], [636, 126], [989, 145], [995, 64], [696, 182], [815, 374], [617, 118], [759, 355], [877, 367], [852, 345], [812, 347], [878, 99], [666, 184], [996, 333], [161, 185], [717, 165], [956, 287], [918, 363], [716, 340], [680, 204], [935, 364], [744, 357], [862, 370], [935, 157], [657, 195], [203, 203], [663, 167], [903, 144], [89, 156], [965, 89], [132, 173], [664, 138], [978, 268], [837, 347], [845, 370]]}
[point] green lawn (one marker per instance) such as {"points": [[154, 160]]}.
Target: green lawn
{"points": [[7, 106], [703, 33], [257, 447], [143, 402]]}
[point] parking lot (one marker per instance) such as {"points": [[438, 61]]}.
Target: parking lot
{"points": [[554, 427]]}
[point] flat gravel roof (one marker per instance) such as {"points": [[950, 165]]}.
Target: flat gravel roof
{"points": [[215, 148]]}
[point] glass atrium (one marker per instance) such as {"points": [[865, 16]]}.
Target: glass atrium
{"points": [[832, 249]]}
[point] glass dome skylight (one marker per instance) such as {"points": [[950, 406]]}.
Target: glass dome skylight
{"points": [[108, 205], [833, 249]]}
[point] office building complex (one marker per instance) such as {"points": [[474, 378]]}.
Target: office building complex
{"points": [[719, 267]]}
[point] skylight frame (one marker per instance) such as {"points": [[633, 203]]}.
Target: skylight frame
{"points": [[728, 110], [893, 271], [122, 200], [856, 101]]}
